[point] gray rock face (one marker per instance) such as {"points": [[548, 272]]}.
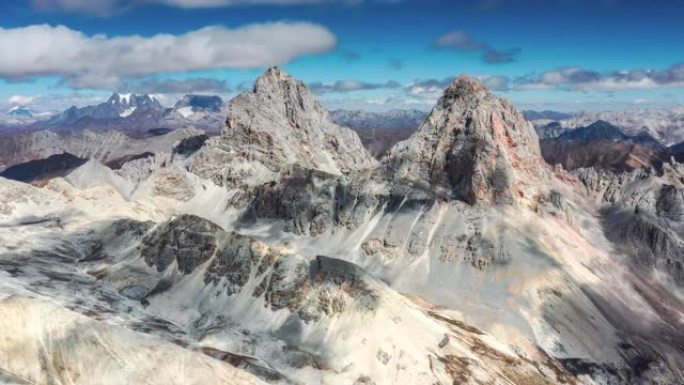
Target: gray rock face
{"points": [[473, 147], [313, 202], [311, 289], [187, 240], [643, 214], [550, 130], [345, 275], [276, 125], [234, 263], [189, 146]]}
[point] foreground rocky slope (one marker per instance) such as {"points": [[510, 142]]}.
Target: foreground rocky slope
{"points": [[44, 343], [284, 250], [642, 211]]}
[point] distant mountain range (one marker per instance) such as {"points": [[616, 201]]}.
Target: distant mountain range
{"points": [[546, 115], [606, 146], [612, 140], [392, 119], [380, 130], [134, 115], [665, 125]]}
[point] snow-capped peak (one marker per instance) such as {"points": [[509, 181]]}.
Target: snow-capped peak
{"points": [[126, 98], [126, 104]]}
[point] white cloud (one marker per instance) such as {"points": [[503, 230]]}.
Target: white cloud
{"points": [[580, 79], [21, 100], [495, 83], [461, 41], [104, 62], [351, 86]]}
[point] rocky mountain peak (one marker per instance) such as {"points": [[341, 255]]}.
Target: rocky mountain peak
{"points": [[287, 96], [465, 88], [277, 125], [474, 146], [132, 101], [273, 78]]}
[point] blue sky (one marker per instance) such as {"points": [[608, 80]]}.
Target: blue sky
{"points": [[370, 54]]}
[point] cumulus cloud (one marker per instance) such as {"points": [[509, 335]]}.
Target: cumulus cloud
{"points": [[100, 61], [435, 87], [496, 83], [20, 99], [580, 79], [461, 41], [429, 89], [350, 86], [179, 86], [49, 104]]}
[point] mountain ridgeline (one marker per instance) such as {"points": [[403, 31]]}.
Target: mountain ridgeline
{"points": [[282, 251]]}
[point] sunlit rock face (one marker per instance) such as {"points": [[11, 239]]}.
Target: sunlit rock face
{"points": [[276, 125], [474, 147]]}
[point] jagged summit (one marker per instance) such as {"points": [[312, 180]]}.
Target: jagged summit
{"points": [[279, 124], [272, 78], [290, 98], [133, 100], [466, 88], [474, 146]]}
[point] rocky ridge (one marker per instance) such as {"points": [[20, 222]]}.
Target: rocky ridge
{"points": [[642, 213], [511, 269], [301, 301], [474, 147], [275, 126]]}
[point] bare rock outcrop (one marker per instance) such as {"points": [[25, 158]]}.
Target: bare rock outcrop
{"points": [[278, 124], [473, 147], [642, 214]]}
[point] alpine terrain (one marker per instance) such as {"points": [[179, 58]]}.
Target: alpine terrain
{"points": [[282, 251]]}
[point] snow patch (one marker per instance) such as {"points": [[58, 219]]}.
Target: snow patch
{"points": [[125, 98], [128, 112]]}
